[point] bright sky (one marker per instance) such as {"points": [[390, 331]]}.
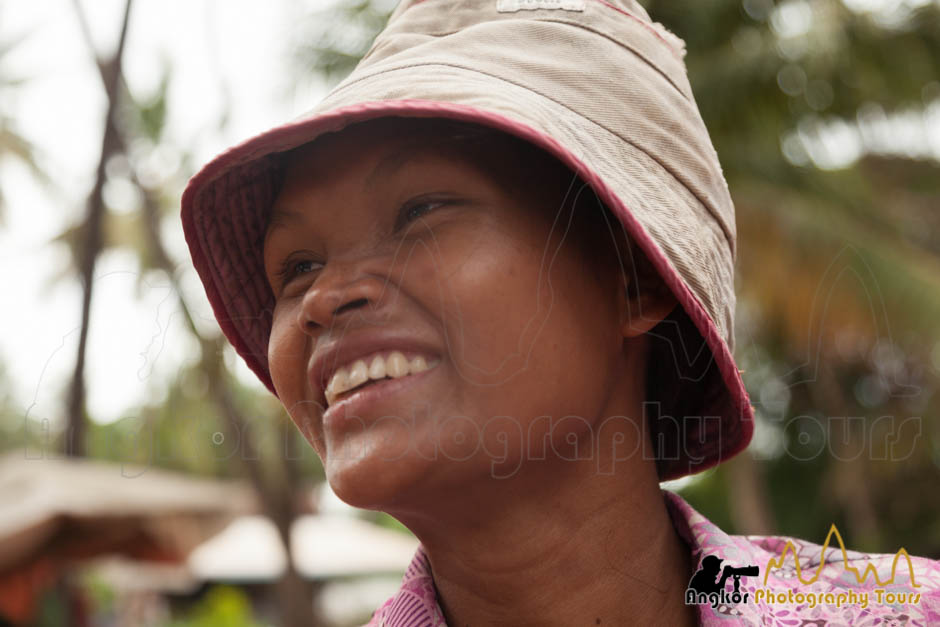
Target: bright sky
{"points": [[135, 341]]}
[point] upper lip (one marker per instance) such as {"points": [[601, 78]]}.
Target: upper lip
{"points": [[333, 355]]}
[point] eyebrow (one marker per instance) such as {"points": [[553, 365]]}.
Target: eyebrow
{"points": [[394, 162], [281, 218]]}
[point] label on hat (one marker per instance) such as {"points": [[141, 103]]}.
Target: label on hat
{"points": [[511, 6]]}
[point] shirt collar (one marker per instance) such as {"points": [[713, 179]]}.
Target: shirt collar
{"points": [[416, 605]]}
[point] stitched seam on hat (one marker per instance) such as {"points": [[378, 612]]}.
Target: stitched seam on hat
{"points": [[514, 6], [625, 46], [724, 228], [645, 25], [557, 20]]}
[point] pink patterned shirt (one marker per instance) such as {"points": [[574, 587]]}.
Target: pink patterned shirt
{"points": [[831, 595]]}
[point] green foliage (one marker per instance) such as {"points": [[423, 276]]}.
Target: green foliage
{"points": [[14, 145], [335, 39], [148, 117], [389, 522], [182, 431], [709, 493], [222, 606], [101, 596], [52, 609]]}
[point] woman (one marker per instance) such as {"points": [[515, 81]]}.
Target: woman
{"points": [[490, 277]]}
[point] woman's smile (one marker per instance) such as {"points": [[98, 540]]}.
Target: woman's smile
{"points": [[374, 369], [383, 398]]}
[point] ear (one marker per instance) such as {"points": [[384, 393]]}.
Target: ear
{"points": [[644, 301]]}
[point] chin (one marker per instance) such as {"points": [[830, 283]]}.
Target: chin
{"points": [[370, 482]]}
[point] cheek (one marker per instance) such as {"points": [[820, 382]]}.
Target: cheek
{"points": [[525, 329], [489, 285], [287, 362], [535, 351], [287, 359], [279, 353]]}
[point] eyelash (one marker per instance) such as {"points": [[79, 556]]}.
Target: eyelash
{"points": [[289, 270], [408, 206]]}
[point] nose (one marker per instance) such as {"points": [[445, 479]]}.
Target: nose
{"points": [[338, 292]]}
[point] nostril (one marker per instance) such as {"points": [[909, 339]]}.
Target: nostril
{"points": [[351, 305]]}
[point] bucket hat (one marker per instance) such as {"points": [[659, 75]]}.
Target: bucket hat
{"points": [[596, 84]]}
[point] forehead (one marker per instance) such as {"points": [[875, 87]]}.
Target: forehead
{"points": [[369, 158], [379, 149]]}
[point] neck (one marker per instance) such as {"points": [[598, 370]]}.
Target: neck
{"points": [[558, 544]]}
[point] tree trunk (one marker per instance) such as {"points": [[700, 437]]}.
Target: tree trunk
{"points": [[92, 232]]}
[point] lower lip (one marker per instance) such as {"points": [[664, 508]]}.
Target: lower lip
{"points": [[348, 409]]}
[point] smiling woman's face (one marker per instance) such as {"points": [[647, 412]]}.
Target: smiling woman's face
{"points": [[383, 239]]}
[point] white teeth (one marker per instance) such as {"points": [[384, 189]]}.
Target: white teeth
{"points": [[377, 369], [337, 382], [358, 374], [394, 365]]}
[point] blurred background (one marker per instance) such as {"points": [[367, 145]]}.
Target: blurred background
{"points": [[826, 116]]}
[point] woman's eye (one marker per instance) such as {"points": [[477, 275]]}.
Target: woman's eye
{"points": [[292, 268], [415, 210]]}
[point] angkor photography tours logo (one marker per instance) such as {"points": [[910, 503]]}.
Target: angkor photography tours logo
{"points": [[827, 576]]}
